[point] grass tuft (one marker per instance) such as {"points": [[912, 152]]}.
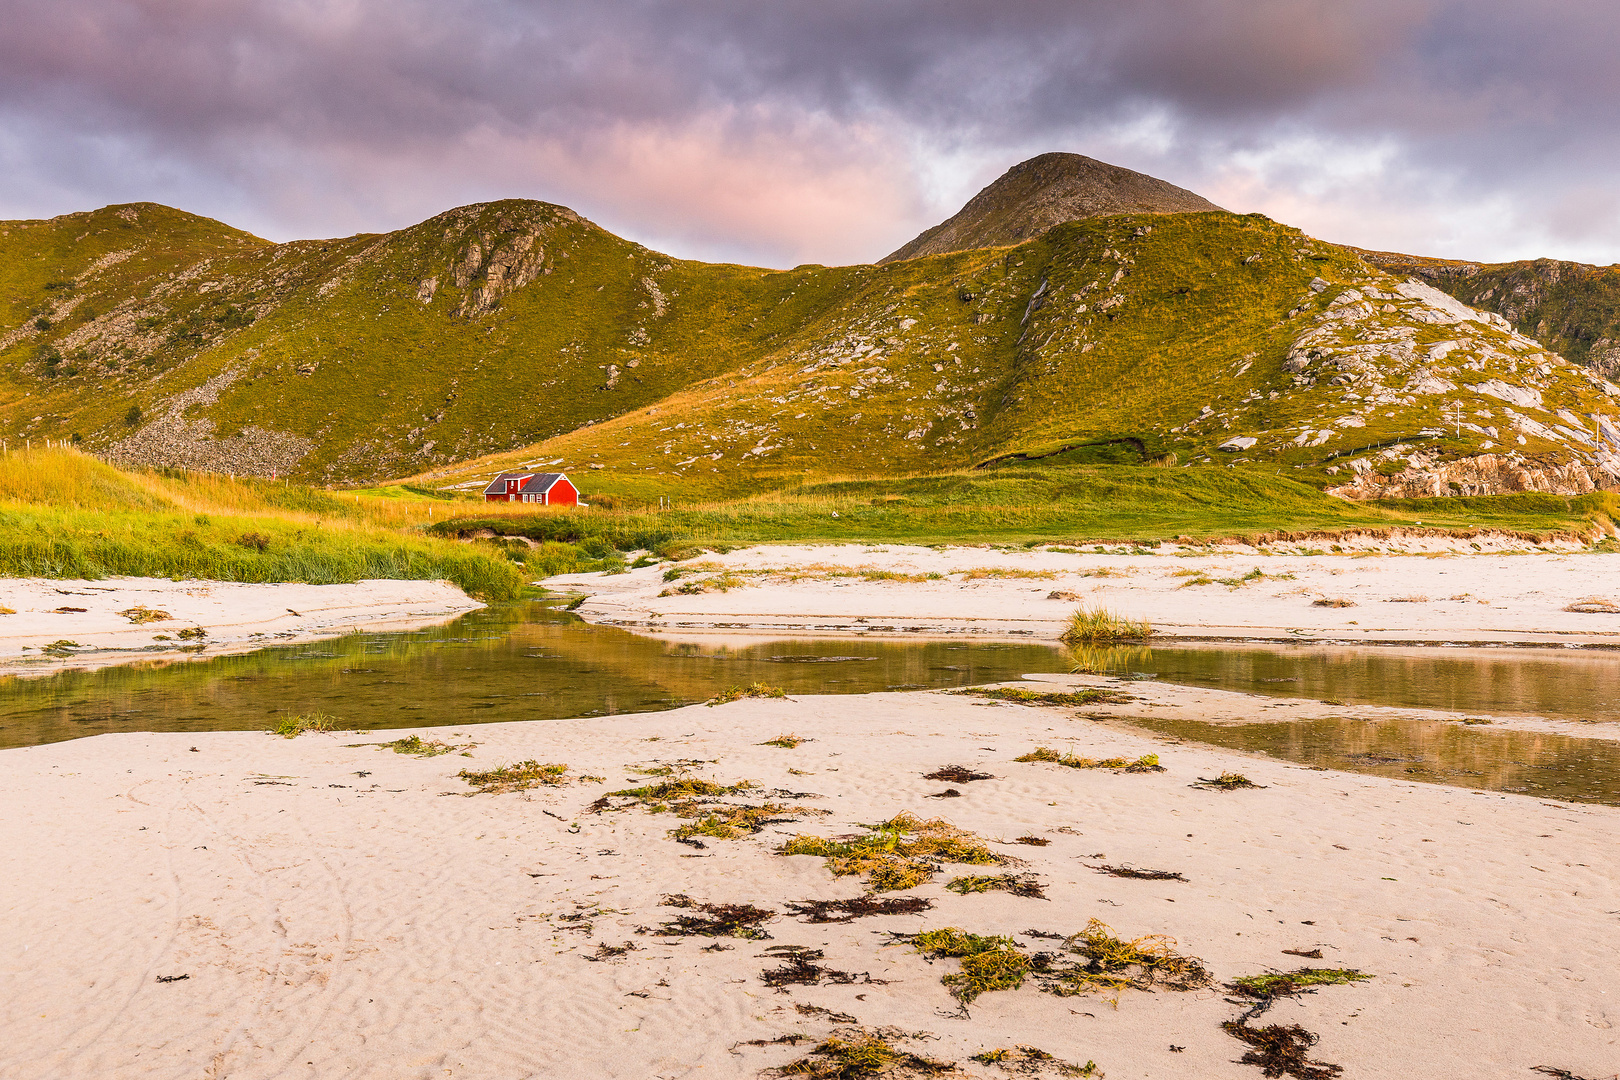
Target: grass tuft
{"points": [[752, 690], [416, 745], [1144, 764], [293, 725], [1099, 626]]}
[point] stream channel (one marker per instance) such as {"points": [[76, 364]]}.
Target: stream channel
{"points": [[532, 661]]}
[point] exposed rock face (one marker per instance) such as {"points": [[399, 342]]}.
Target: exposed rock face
{"points": [[1571, 308], [1044, 191], [175, 442], [1485, 474]]}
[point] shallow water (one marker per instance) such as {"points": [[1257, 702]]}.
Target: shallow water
{"points": [[524, 661], [1580, 684], [1431, 751]]}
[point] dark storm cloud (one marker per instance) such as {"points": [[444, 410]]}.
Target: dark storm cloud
{"points": [[828, 130]]}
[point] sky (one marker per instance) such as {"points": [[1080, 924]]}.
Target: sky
{"points": [[778, 132]]}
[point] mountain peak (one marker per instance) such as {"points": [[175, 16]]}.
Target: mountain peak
{"points": [[1034, 195]]}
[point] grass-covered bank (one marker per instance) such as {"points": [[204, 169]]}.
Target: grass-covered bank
{"points": [[1025, 505], [66, 515]]}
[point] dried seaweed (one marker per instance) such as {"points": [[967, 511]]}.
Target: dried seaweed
{"points": [[519, 776], [852, 1053], [801, 968], [604, 951], [1017, 884], [987, 962], [897, 854], [1107, 962], [1037, 697], [957, 774], [843, 911], [714, 920], [1277, 984], [1139, 875], [1279, 1050], [1227, 781], [948, 793], [1144, 764], [1033, 841], [1032, 1061]]}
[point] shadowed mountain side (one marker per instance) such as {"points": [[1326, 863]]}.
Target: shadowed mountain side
{"points": [[1034, 195]]}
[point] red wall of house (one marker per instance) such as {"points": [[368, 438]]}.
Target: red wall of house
{"points": [[496, 498], [562, 493]]}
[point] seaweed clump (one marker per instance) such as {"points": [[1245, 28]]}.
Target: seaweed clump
{"points": [[900, 853], [1049, 697], [1280, 1050], [1104, 961], [1137, 874], [699, 802], [957, 774], [519, 776], [1227, 781], [802, 967], [1145, 764], [713, 920], [1017, 884], [1033, 1061], [420, 747], [843, 911], [854, 1053], [1273, 985], [987, 962]]}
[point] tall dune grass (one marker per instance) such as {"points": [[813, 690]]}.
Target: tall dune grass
{"points": [[66, 515]]}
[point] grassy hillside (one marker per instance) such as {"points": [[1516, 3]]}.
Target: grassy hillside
{"points": [[1152, 339], [516, 332], [66, 515]]}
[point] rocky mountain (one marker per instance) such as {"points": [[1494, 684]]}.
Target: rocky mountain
{"points": [[1034, 195], [1572, 308], [519, 333]]}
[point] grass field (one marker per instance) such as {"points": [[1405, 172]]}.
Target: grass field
{"points": [[1030, 504], [66, 515]]}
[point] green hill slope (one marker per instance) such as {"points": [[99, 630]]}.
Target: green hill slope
{"points": [[1209, 338], [354, 359], [517, 332]]}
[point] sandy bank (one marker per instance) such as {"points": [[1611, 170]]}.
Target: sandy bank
{"points": [[1441, 595], [334, 913], [116, 620]]}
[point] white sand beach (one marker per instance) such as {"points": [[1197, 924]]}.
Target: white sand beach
{"points": [[241, 905], [1426, 590], [118, 620]]}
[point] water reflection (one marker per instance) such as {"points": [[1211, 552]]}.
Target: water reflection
{"points": [[1432, 751], [525, 661], [1564, 683]]}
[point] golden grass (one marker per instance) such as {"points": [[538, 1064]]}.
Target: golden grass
{"points": [[1099, 626]]}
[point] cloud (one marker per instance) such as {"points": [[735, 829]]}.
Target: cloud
{"points": [[818, 131]]}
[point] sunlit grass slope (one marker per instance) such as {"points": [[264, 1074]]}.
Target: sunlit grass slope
{"points": [[1028, 504], [66, 515]]}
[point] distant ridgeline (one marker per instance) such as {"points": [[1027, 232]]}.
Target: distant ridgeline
{"points": [[517, 334]]}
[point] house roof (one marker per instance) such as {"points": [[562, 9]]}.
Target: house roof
{"points": [[498, 485], [532, 483]]}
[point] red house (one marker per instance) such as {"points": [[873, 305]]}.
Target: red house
{"points": [[546, 488]]}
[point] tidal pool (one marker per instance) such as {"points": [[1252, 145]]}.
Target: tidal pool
{"points": [[523, 661]]}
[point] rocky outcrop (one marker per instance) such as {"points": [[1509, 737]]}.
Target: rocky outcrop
{"points": [[1044, 191], [1484, 474], [173, 441]]}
